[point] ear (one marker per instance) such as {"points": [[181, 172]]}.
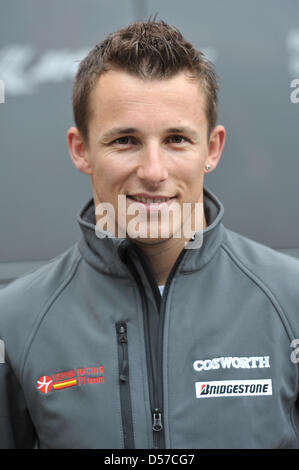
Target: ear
{"points": [[216, 144], [78, 151]]}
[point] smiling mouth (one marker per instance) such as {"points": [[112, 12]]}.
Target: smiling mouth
{"points": [[144, 199]]}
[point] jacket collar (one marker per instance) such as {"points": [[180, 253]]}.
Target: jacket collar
{"points": [[104, 254]]}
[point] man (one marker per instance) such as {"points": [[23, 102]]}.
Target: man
{"points": [[96, 356]]}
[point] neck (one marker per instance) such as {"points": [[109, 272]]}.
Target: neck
{"points": [[163, 255]]}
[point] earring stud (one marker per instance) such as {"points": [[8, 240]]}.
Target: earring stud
{"points": [[208, 166]]}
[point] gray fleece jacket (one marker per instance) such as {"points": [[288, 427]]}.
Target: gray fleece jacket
{"points": [[96, 358]]}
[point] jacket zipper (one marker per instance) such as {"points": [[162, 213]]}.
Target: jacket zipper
{"points": [[155, 390], [124, 385], [159, 438]]}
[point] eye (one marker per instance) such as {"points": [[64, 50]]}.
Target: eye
{"points": [[124, 140], [178, 139]]}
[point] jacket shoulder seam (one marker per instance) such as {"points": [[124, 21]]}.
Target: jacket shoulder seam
{"points": [[264, 287], [44, 310]]}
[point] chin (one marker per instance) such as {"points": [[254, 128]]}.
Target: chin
{"points": [[149, 241]]}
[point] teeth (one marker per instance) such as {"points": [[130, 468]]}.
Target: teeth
{"points": [[150, 201]]}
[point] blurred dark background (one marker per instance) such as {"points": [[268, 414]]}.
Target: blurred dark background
{"points": [[255, 48]]}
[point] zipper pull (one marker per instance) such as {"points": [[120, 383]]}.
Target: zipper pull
{"points": [[157, 426], [157, 420], [123, 340]]}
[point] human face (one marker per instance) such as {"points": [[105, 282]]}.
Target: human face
{"points": [[148, 138]]}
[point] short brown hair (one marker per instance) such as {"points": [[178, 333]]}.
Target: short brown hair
{"points": [[149, 50]]}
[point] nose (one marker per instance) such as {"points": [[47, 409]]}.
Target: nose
{"points": [[152, 168]]}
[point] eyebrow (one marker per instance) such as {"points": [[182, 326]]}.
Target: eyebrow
{"points": [[117, 131], [131, 130]]}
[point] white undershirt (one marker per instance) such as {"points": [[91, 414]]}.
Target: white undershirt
{"points": [[161, 288]]}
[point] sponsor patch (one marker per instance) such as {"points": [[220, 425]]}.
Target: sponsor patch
{"points": [[233, 388], [71, 378], [45, 384], [227, 362]]}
